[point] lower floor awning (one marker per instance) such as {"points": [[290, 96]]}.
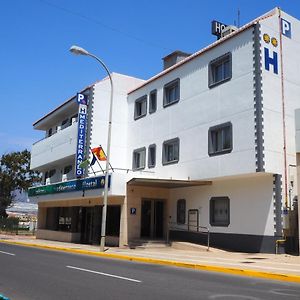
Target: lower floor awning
{"points": [[167, 183]]}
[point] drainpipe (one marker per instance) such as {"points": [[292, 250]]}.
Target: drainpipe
{"points": [[283, 113]]}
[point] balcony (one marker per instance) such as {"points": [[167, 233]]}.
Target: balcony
{"points": [[58, 147]]}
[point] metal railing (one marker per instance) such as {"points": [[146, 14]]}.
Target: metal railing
{"points": [[187, 228]]}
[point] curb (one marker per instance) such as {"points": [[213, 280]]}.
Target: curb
{"points": [[210, 268]]}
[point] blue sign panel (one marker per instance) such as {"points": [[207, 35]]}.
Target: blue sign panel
{"points": [[80, 149], [271, 61], [217, 28], [286, 28], [82, 99], [132, 210]]}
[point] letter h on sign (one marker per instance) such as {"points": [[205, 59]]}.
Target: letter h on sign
{"points": [[271, 61]]}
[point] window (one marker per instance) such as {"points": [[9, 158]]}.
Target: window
{"points": [[171, 92], [65, 123], [170, 153], [152, 156], [153, 102], [220, 139], [181, 208], [52, 173], [65, 219], [140, 107], [49, 132], [139, 157], [220, 70], [219, 211], [73, 119], [67, 169]]}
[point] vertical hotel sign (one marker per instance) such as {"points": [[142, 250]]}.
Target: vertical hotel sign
{"points": [[82, 101]]}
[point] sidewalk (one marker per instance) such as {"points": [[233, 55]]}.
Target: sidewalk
{"points": [[271, 266]]}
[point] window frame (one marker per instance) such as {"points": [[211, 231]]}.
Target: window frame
{"points": [[212, 130], [181, 211], [212, 67], [164, 154], [151, 109], [139, 150], [167, 88], [153, 146], [139, 101], [212, 221]]}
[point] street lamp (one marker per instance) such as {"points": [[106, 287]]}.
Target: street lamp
{"points": [[80, 51]]}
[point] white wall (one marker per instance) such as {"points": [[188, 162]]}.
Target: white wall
{"points": [[297, 125], [99, 116], [272, 99], [251, 204], [198, 109], [59, 146]]}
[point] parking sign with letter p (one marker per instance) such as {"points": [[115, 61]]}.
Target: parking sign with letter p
{"points": [[286, 28]]}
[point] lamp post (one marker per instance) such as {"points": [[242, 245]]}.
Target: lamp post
{"points": [[80, 51]]}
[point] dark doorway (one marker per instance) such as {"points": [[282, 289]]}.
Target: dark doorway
{"points": [[91, 221], [152, 218], [86, 224]]}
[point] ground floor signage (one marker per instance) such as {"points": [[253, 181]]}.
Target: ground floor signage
{"points": [[70, 186]]}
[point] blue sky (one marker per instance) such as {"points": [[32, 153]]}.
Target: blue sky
{"points": [[38, 72]]}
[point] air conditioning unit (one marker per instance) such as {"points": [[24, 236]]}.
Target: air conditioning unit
{"points": [[228, 29], [74, 120]]}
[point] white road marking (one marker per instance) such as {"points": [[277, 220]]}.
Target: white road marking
{"points": [[104, 274], [7, 253]]}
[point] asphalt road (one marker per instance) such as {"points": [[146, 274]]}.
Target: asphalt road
{"points": [[30, 273]]}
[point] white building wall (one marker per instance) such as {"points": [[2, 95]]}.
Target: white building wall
{"points": [[98, 118], [198, 109], [251, 204], [59, 146], [273, 101]]}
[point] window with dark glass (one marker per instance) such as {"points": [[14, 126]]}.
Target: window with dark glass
{"points": [[52, 172], [65, 219], [65, 123], [139, 157], [140, 107], [153, 101], [152, 156], [170, 151], [50, 132], [220, 139], [181, 211], [219, 211], [67, 169], [172, 92], [220, 70]]}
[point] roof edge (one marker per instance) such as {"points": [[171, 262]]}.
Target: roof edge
{"points": [[200, 52]]}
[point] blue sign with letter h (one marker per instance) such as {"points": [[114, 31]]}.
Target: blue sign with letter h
{"points": [[286, 28], [271, 61]]}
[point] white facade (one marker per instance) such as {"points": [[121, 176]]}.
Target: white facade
{"points": [[297, 125], [249, 114]]}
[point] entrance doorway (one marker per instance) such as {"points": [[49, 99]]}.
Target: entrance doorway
{"points": [[91, 222], [152, 219]]}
